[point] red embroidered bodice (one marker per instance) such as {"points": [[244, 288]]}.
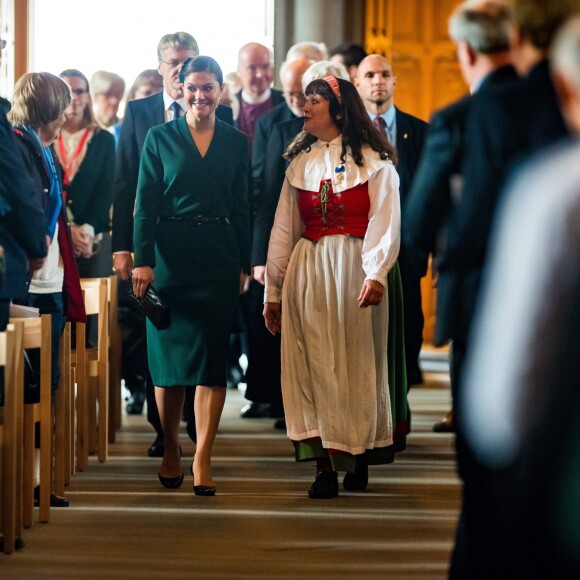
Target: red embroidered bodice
{"points": [[326, 213]]}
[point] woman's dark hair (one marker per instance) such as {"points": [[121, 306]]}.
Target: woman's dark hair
{"points": [[352, 120], [88, 115], [201, 64]]}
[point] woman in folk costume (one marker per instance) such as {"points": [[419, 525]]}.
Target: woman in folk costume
{"points": [[333, 291]]}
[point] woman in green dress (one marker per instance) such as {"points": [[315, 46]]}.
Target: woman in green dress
{"points": [[192, 239]]}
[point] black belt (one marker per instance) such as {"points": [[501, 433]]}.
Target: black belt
{"points": [[195, 220]]}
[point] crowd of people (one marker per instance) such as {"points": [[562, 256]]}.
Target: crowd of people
{"points": [[294, 226]]}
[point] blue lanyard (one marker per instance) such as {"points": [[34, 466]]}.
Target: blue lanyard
{"points": [[55, 197]]}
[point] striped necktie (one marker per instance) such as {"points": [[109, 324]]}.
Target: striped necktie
{"points": [[381, 125]]}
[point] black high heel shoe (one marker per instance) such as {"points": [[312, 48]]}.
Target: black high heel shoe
{"points": [[171, 482], [205, 490]]}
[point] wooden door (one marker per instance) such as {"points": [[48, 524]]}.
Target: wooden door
{"points": [[413, 36]]}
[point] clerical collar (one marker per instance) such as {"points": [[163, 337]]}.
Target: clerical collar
{"points": [[257, 100]]}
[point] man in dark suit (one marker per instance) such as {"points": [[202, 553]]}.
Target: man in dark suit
{"points": [[256, 99], [172, 51], [376, 85], [263, 372], [291, 108], [481, 34], [504, 125]]}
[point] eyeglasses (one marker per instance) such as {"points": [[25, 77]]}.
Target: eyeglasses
{"points": [[2, 44], [173, 63], [79, 92]]}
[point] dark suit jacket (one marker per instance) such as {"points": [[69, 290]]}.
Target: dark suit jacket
{"points": [[140, 116], [21, 215], [410, 138], [430, 201], [90, 194], [504, 126], [264, 127], [274, 170]]}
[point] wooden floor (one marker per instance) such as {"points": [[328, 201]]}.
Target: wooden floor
{"points": [[261, 524]]}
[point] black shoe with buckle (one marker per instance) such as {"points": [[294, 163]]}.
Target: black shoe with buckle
{"points": [[325, 485]]}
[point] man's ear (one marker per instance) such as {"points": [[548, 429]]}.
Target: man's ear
{"points": [[471, 55], [565, 90]]}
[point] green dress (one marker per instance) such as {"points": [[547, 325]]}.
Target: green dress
{"points": [[196, 266]]}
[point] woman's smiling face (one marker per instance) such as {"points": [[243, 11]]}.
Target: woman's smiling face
{"points": [[317, 119], [202, 94]]}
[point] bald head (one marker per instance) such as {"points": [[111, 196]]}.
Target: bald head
{"points": [[291, 79], [376, 83], [254, 68]]}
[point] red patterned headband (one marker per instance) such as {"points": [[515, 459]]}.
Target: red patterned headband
{"points": [[333, 83]]}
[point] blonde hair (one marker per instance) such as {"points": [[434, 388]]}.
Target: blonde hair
{"points": [[39, 99]]}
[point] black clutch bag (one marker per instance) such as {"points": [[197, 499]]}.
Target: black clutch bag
{"points": [[152, 306]]}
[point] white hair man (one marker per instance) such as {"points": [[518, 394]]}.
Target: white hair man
{"points": [[522, 402]]}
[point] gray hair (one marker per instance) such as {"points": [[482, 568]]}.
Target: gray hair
{"points": [[309, 50], [322, 69], [102, 81], [182, 40], [566, 51], [485, 25]]}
